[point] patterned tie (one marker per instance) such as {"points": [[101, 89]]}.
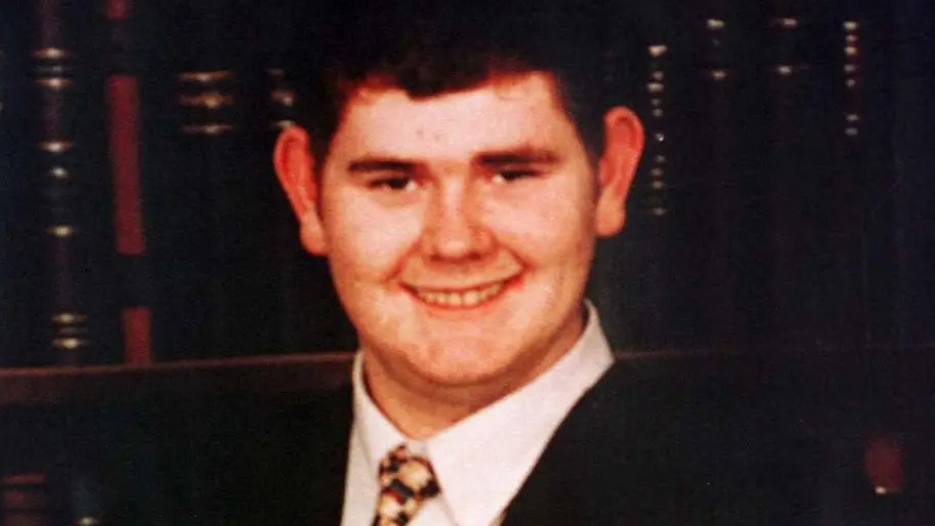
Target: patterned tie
{"points": [[406, 481]]}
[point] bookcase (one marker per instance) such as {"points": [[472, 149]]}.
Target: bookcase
{"points": [[150, 263]]}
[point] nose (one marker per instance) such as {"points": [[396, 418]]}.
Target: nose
{"points": [[454, 227]]}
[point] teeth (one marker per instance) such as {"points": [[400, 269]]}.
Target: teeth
{"points": [[471, 298], [468, 298]]}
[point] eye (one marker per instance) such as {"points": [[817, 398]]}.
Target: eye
{"points": [[508, 176], [397, 183]]}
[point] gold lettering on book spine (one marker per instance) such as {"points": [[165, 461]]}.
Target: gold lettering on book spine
{"points": [[62, 231], [207, 129], [69, 344], [51, 53], [55, 83], [69, 318], [56, 146], [206, 95], [205, 77], [210, 100]]}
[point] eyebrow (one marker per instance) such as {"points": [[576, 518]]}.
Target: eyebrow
{"points": [[493, 158], [380, 164], [519, 155]]}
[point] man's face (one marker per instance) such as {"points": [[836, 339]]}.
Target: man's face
{"points": [[460, 230]]}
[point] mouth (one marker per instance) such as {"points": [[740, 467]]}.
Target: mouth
{"points": [[461, 298]]}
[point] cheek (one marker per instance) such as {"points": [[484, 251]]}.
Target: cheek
{"points": [[555, 227], [370, 242]]}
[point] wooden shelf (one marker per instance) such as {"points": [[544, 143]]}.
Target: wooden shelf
{"points": [[864, 372], [295, 373]]}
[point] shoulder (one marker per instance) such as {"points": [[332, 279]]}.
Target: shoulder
{"points": [[286, 446], [657, 443], [262, 459]]}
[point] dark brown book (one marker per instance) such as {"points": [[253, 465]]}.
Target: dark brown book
{"points": [[310, 317], [812, 207], [58, 166], [7, 170], [22, 310], [636, 263], [210, 201], [715, 198]]}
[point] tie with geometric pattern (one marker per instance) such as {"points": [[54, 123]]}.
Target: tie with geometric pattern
{"points": [[406, 481]]}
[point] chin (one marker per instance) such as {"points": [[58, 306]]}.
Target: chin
{"points": [[465, 366]]}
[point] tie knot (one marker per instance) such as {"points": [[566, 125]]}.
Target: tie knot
{"points": [[406, 480]]}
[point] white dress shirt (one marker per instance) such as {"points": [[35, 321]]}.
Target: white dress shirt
{"points": [[482, 461]]}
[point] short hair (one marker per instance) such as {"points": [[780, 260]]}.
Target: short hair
{"points": [[432, 47]]}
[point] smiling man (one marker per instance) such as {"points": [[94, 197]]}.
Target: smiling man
{"points": [[460, 229], [456, 168]]}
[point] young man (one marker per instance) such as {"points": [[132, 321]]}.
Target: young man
{"points": [[457, 175], [460, 229]]}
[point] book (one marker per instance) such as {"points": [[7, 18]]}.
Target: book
{"points": [[714, 136], [811, 203], [26, 500], [628, 279], [21, 311], [67, 160], [7, 171], [310, 315], [209, 194], [227, 274], [122, 93]]}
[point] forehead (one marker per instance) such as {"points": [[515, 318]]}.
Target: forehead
{"points": [[519, 109]]}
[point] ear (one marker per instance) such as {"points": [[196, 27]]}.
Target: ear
{"points": [[295, 167], [623, 145]]}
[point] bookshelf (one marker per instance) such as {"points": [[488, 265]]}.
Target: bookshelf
{"points": [[187, 379], [883, 373]]}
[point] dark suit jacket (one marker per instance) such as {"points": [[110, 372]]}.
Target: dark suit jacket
{"points": [[645, 446]]}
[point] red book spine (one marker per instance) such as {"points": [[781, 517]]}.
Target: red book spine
{"points": [[124, 130], [25, 500]]}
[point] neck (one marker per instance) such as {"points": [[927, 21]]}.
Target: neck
{"points": [[421, 407], [421, 411]]}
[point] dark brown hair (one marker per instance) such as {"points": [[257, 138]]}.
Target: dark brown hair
{"points": [[432, 47]]}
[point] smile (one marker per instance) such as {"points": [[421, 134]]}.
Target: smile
{"points": [[461, 298]]}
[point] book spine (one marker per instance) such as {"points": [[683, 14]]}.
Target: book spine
{"points": [[812, 198], [655, 190], [26, 500], [282, 102], [310, 317], [717, 198], [122, 93], [855, 175], [870, 76], [209, 186], [208, 132], [6, 191], [636, 264], [56, 145], [21, 308], [785, 87]]}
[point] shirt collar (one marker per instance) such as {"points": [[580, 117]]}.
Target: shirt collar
{"points": [[489, 442]]}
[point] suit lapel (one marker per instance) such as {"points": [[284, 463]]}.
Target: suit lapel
{"points": [[572, 481], [297, 460], [322, 468]]}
